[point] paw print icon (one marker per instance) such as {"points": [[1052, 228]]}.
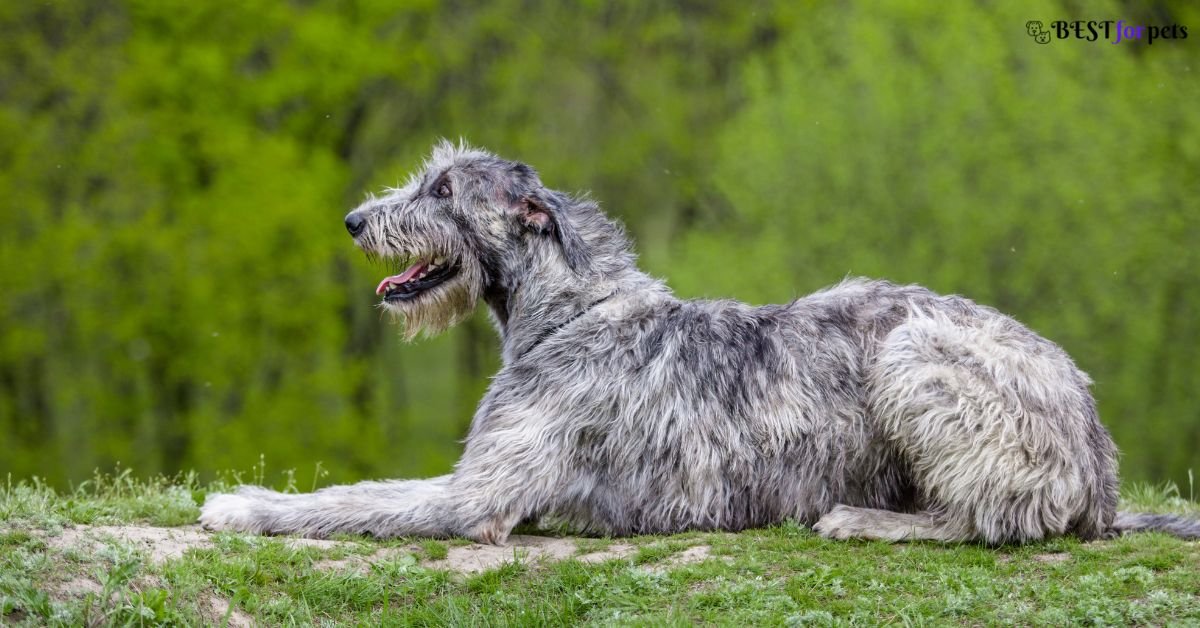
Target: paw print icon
{"points": [[1036, 30]]}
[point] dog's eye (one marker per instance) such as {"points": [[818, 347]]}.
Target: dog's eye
{"points": [[443, 190]]}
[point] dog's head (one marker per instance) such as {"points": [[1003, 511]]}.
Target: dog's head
{"points": [[456, 231]]}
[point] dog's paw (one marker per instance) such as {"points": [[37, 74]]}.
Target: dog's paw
{"points": [[233, 512], [840, 523], [492, 530]]}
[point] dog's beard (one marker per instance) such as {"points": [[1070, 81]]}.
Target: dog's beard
{"points": [[441, 308]]}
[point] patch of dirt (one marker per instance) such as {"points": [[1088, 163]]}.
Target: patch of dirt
{"points": [[159, 544], [163, 544], [352, 563], [1048, 558], [218, 608], [474, 558], [522, 548], [691, 555], [78, 586], [612, 552]]}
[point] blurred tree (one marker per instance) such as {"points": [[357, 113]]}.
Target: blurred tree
{"points": [[177, 290]]}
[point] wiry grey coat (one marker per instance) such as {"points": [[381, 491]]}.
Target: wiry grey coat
{"points": [[866, 410]]}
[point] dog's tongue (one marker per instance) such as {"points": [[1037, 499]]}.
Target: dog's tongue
{"points": [[412, 271]]}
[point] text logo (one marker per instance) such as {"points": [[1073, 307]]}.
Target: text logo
{"points": [[1112, 31]]}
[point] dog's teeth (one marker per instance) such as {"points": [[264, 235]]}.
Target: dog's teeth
{"points": [[437, 261]]}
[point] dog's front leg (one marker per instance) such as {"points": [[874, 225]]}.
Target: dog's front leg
{"points": [[493, 489], [478, 508], [516, 465], [489, 507], [509, 474], [381, 509]]}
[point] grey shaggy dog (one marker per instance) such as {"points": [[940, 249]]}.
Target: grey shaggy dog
{"points": [[866, 410]]}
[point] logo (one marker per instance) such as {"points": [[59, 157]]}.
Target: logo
{"points": [[1037, 31], [1112, 31]]}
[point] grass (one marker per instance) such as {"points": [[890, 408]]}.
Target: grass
{"points": [[783, 575]]}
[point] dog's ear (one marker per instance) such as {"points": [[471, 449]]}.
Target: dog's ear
{"points": [[544, 212], [534, 215]]}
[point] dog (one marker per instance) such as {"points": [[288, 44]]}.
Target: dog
{"points": [[866, 410]]}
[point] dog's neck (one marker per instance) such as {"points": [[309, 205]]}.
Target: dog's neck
{"points": [[531, 312], [560, 276]]}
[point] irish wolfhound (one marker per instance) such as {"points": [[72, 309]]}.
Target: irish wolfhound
{"points": [[865, 410]]}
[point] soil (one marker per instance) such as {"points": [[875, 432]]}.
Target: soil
{"points": [[162, 544]]}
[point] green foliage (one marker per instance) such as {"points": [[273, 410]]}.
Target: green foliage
{"points": [[178, 292], [104, 499]]}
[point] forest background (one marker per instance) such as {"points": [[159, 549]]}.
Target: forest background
{"points": [[177, 291]]}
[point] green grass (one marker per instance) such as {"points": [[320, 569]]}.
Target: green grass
{"points": [[434, 550], [783, 575]]}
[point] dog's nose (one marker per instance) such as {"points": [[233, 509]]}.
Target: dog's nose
{"points": [[355, 223]]}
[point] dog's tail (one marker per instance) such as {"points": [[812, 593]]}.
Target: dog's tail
{"points": [[1180, 526]]}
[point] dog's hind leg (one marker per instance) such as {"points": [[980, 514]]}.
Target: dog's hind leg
{"points": [[847, 522], [997, 427]]}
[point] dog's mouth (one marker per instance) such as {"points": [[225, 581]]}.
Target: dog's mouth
{"points": [[423, 275]]}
